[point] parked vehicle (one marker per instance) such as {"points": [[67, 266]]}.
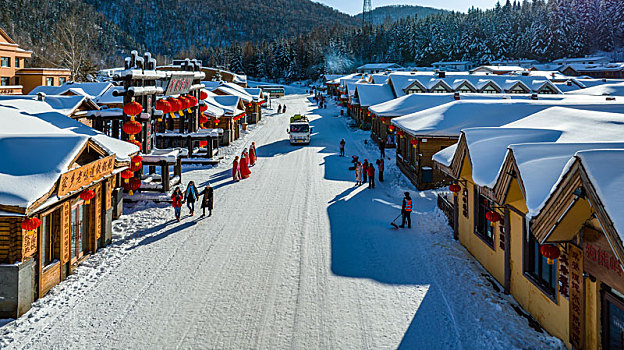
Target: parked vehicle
{"points": [[300, 130]]}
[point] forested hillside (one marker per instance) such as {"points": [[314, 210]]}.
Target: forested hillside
{"points": [[389, 14]]}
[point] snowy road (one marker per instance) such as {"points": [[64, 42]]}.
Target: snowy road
{"points": [[293, 257]]}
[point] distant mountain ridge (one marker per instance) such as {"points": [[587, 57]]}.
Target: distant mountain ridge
{"points": [[393, 13]]}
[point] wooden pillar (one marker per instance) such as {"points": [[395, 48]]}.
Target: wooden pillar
{"points": [[456, 217], [507, 234], [208, 147], [177, 169], [164, 174], [189, 144]]}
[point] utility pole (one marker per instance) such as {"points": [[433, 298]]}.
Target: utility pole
{"points": [[366, 12]]}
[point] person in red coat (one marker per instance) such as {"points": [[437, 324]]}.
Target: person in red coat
{"points": [[176, 202], [244, 168], [252, 154], [236, 174], [370, 171]]}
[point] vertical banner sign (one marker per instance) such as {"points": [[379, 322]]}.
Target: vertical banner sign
{"points": [[98, 213], [66, 227], [577, 297]]}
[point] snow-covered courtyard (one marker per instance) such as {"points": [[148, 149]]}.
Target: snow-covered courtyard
{"points": [[294, 257]]}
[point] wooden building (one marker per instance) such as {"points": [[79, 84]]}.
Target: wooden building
{"points": [[505, 213], [62, 176]]}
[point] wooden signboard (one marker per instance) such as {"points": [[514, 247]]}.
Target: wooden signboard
{"points": [[77, 178], [65, 232], [599, 259], [179, 84], [29, 244], [97, 204], [577, 297]]}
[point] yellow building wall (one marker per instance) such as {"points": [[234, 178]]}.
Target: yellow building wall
{"points": [[592, 315]]}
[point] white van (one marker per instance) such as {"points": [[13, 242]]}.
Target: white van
{"points": [[300, 130]]}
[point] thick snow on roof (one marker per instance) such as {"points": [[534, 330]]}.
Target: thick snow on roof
{"points": [[235, 90], [582, 59], [413, 103], [372, 94], [211, 85], [107, 97], [542, 165], [445, 156], [449, 119], [613, 89], [380, 78], [31, 165], [90, 90], [229, 103], [376, 66], [22, 117], [62, 104], [605, 169]]}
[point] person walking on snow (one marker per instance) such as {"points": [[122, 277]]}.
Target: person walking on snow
{"points": [[371, 176], [406, 211], [380, 166], [236, 175], [365, 170], [176, 202], [284, 109], [342, 146], [252, 154], [244, 166], [382, 150], [191, 194], [358, 173], [207, 200], [279, 109]]}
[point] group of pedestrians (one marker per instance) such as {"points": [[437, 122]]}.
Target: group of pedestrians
{"points": [[281, 109], [190, 196], [240, 167]]}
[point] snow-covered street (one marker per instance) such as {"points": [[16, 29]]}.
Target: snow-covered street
{"points": [[294, 257]]}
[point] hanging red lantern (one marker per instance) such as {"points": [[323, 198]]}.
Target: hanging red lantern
{"points": [[383, 120], [126, 175], [391, 128], [30, 225], [401, 133], [192, 100], [133, 108], [86, 196], [183, 105], [203, 119], [249, 105], [550, 252], [216, 121], [203, 94], [163, 105], [493, 217], [136, 143], [175, 104], [369, 113], [133, 185], [132, 127], [135, 166], [414, 142], [455, 188], [203, 107], [203, 143], [137, 160]]}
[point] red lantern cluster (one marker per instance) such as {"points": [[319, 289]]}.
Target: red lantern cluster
{"points": [[133, 185], [86, 196], [550, 252], [203, 94], [30, 225], [455, 188], [127, 175], [133, 108], [493, 217]]}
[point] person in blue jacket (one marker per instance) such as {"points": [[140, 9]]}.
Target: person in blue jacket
{"points": [[191, 195]]}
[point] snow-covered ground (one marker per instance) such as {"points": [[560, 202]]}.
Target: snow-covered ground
{"points": [[293, 257]]}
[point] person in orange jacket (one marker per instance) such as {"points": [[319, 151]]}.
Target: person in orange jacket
{"points": [[406, 211]]}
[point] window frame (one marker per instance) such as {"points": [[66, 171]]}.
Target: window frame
{"points": [[528, 267], [481, 220], [5, 81], [17, 62], [5, 62], [48, 80], [62, 80]]}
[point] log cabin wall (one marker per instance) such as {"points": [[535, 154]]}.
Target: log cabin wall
{"points": [[417, 163]]}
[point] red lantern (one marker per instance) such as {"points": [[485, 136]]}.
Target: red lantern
{"points": [[137, 160], [126, 175], [493, 217], [216, 121], [132, 127], [136, 143], [391, 128], [369, 113], [133, 185], [30, 225], [192, 100], [163, 106], [414, 142], [203, 119], [203, 143], [203, 107], [401, 133], [203, 94], [175, 104], [383, 120], [455, 188], [87, 196], [184, 103], [135, 167], [249, 105], [133, 108], [550, 252]]}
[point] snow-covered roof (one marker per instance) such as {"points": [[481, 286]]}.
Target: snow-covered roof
{"points": [[90, 90], [603, 67], [582, 59], [512, 62], [613, 89], [379, 78], [256, 93], [227, 103], [449, 119], [62, 104], [442, 63], [378, 66], [413, 103], [107, 98], [235, 90], [605, 170], [211, 85], [372, 94], [498, 69]]}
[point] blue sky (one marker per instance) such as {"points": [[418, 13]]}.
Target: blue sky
{"points": [[355, 6]]}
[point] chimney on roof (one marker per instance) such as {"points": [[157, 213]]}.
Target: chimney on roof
{"points": [[534, 96], [456, 96], [41, 96], [610, 98]]}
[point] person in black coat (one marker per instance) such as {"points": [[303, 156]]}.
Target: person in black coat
{"points": [[208, 200]]}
